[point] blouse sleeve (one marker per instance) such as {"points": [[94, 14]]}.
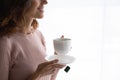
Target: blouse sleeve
{"points": [[4, 59]]}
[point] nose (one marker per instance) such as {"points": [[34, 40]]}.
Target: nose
{"points": [[44, 1]]}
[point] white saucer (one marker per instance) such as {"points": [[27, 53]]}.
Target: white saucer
{"points": [[63, 59]]}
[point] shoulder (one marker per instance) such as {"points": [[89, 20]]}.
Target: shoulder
{"points": [[5, 44], [39, 34], [5, 41]]}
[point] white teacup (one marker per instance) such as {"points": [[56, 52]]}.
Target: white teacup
{"points": [[62, 45]]}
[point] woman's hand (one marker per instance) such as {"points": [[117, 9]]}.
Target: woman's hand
{"points": [[46, 68]]}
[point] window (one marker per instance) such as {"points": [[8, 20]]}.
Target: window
{"points": [[94, 26]]}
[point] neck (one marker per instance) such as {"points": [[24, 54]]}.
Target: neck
{"points": [[27, 28]]}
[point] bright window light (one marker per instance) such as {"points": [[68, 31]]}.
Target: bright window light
{"points": [[94, 27]]}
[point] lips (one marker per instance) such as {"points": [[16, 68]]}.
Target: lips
{"points": [[41, 9]]}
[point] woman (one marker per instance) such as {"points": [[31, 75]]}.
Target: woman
{"points": [[22, 46]]}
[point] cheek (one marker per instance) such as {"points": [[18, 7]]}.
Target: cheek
{"points": [[33, 9], [35, 4]]}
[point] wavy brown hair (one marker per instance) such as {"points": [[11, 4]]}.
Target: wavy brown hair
{"points": [[11, 13]]}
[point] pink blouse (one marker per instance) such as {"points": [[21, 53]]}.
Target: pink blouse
{"points": [[20, 55]]}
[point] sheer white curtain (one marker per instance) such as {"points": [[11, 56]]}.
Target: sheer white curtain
{"points": [[94, 26]]}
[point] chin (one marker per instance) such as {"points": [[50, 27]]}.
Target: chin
{"points": [[40, 16]]}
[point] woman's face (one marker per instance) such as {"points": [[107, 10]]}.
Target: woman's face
{"points": [[36, 9]]}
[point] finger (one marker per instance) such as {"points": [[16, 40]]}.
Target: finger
{"points": [[51, 71], [54, 66], [52, 62], [51, 68], [62, 36], [57, 66], [47, 63]]}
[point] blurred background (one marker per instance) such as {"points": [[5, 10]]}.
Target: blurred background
{"points": [[94, 27]]}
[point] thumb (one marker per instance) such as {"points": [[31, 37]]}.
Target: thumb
{"points": [[62, 36], [53, 61]]}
